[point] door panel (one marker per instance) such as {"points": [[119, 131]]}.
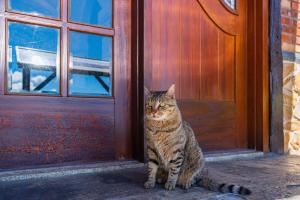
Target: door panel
{"points": [[199, 46], [38, 129], [55, 130]]}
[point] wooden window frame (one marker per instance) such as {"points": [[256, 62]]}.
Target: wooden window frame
{"points": [[64, 25]]}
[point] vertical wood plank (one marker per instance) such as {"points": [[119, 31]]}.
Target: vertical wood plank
{"points": [[210, 60], [190, 59], [156, 43], [226, 67], [266, 77], [251, 71], [172, 47], [148, 28]]}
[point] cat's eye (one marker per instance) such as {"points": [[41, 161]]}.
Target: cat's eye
{"points": [[161, 106], [148, 107]]}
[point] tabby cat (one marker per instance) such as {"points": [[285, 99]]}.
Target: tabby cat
{"points": [[175, 157]]}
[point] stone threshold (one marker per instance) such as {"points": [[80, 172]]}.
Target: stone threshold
{"points": [[58, 171]]}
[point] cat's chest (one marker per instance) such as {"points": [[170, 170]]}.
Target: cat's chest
{"points": [[166, 144]]}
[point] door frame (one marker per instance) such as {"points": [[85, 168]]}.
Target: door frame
{"points": [[258, 75], [258, 82]]}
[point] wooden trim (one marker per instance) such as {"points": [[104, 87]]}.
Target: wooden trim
{"points": [[91, 29], [33, 19], [138, 79], [265, 76], [276, 70], [123, 83], [258, 75]]}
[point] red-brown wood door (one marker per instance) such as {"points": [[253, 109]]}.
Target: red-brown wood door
{"points": [[54, 112], [200, 45]]}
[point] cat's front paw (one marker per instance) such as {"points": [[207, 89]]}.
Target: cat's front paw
{"points": [[149, 184], [170, 185]]}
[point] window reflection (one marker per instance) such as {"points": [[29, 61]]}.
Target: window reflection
{"points": [[94, 12], [230, 3], [90, 65], [48, 8], [33, 59]]}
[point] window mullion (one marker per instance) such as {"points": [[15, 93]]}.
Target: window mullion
{"points": [[64, 49]]}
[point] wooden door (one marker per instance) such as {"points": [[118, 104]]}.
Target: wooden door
{"points": [[51, 108], [200, 45]]}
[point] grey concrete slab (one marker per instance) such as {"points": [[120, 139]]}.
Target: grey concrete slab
{"points": [[59, 171], [74, 168], [276, 177]]}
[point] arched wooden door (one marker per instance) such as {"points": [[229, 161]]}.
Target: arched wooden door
{"points": [[200, 45]]}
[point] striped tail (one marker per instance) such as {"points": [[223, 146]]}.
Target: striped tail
{"points": [[210, 184]]}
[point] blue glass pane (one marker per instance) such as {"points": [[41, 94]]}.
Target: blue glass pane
{"points": [[90, 65], [230, 3], [94, 12], [48, 8], [33, 59]]}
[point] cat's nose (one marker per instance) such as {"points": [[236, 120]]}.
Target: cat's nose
{"points": [[154, 113]]}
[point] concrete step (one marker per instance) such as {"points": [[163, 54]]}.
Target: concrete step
{"points": [[58, 171], [232, 155], [51, 172]]}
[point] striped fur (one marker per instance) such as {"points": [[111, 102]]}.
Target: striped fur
{"points": [[210, 184], [174, 155]]}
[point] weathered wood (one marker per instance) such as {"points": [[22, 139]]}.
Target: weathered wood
{"points": [[38, 129], [276, 68]]}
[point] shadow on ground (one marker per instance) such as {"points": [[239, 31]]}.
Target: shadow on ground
{"points": [[276, 177]]}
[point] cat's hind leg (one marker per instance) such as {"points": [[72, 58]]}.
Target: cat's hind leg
{"points": [[191, 170]]}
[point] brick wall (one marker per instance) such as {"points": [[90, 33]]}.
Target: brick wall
{"points": [[290, 18]]}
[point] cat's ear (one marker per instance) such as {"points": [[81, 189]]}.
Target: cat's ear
{"points": [[171, 91], [146, 92]]}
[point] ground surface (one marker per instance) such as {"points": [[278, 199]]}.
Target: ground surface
{"points": [[276, 177]]}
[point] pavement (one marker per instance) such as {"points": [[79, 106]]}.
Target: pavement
{"points": [[272, 177]]}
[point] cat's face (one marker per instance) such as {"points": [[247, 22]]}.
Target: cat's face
{"points": [[160, 105]]}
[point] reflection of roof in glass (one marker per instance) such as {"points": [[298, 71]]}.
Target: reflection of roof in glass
{"points": [[230, 3], [47, 59]]}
